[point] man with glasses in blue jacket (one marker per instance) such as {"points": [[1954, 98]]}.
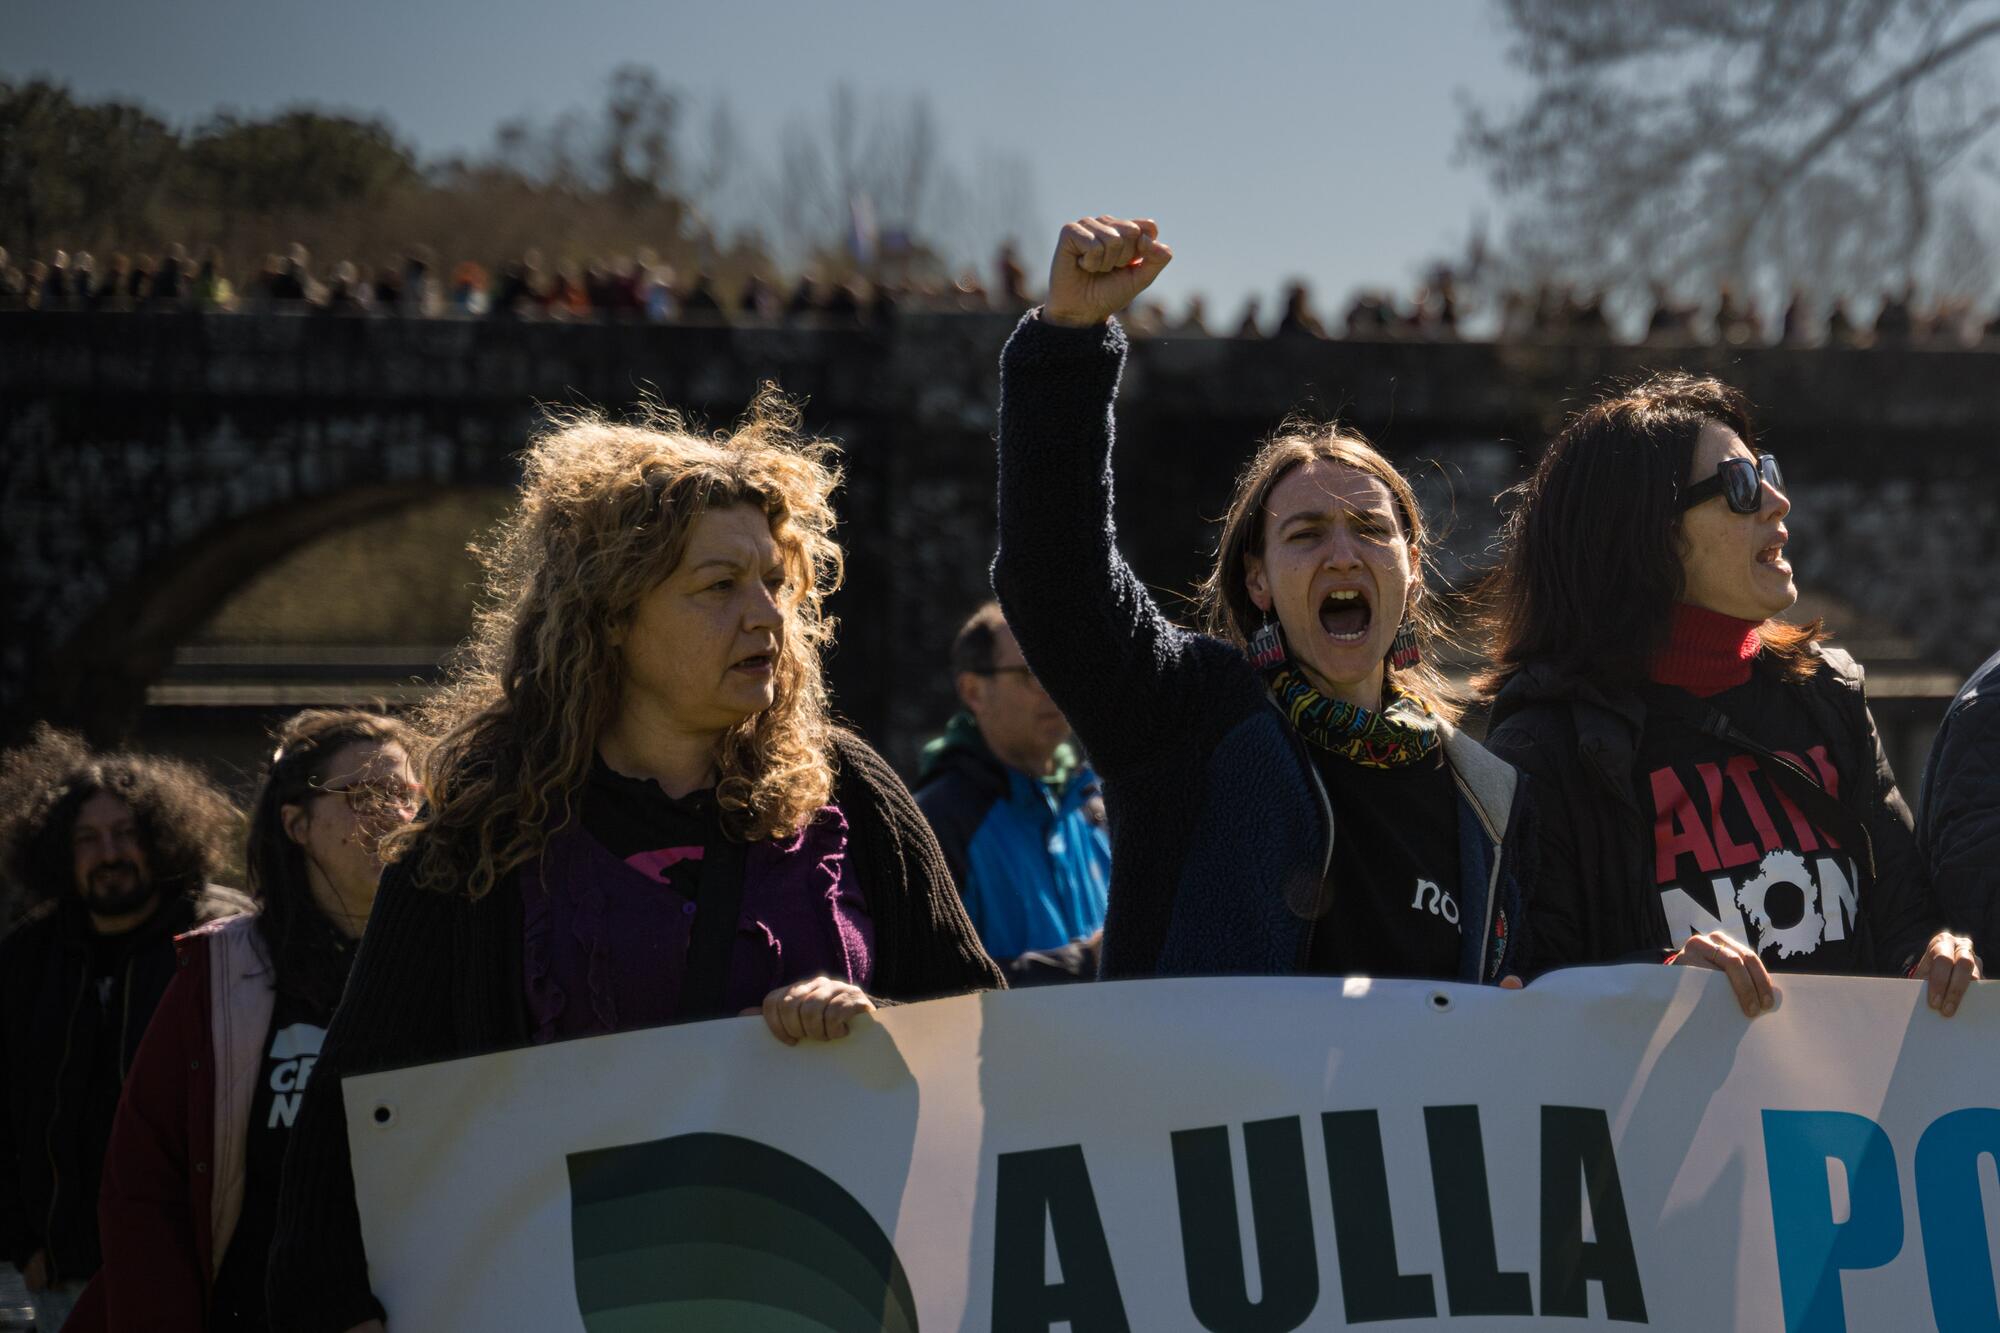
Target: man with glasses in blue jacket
{"points": [[1018, 812]]}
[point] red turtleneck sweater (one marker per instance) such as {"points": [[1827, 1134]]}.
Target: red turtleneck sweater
{"points": [[1707, 652]]}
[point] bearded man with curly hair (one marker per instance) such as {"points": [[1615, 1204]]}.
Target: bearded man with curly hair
{"points": [[109, 856]]}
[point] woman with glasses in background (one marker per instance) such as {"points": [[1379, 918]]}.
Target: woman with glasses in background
{"points": [[1730, 805], [191, 1177]]}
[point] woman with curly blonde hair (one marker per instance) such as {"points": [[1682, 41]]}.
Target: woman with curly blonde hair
{"points": [[639, 809]]}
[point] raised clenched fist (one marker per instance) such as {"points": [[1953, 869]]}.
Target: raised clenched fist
{"points": [[1101, 265]]}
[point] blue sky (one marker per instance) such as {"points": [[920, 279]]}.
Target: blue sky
{"points": [[1270, 138]]}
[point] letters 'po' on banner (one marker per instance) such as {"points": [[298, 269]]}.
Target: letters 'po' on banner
{"points": [[1613, 1147]]}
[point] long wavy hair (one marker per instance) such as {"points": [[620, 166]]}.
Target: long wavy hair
{"points": [[604, 516], [188, 825], [307, 951], [1590, 552], [1223, 601]]}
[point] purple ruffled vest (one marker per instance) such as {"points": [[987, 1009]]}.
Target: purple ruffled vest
{"points": [[605, 945]]}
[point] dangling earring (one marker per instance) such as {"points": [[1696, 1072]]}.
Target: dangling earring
{"points": [[1267, 645], [1403, 650]]}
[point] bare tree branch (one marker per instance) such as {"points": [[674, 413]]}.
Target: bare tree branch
{"points": [[1765, 142], [1845, 118]]}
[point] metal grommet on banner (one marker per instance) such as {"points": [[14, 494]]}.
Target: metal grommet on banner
{"points": [[385, 1115], [1440, 1001]]}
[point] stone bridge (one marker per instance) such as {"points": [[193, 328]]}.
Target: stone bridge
{"points": [[150, 464]]}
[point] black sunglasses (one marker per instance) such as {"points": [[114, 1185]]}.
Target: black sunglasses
{"points": [[1740, 482]]}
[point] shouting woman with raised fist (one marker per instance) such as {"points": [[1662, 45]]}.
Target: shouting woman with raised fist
{"points": [[1286, 791]]}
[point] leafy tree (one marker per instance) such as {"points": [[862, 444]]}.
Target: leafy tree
{"points": [[72, 172], [638, 174], [299, 161]]}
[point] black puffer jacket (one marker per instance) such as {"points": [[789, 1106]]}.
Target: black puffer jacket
{"points": [[1595, 898], [51, 1148], [1960, 827]]}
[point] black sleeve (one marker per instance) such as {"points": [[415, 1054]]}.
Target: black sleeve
{"points": [[1553, 893], [395, 1011], [1118, 669], [1584, 904], [1961, 822], [926, 943], [1904, 912]]}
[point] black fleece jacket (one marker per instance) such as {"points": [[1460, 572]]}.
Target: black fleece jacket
{"points": [[1594, 898], [439, 976]]}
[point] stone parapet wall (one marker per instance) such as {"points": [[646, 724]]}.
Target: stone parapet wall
{"points": [[149, 464]]}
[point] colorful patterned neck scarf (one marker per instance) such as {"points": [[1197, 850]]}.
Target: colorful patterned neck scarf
{"points": [[1403, 732]]}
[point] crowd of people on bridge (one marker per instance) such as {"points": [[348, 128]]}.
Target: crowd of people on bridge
{"points": [[640, 288], [633, 804], [630, 288]]}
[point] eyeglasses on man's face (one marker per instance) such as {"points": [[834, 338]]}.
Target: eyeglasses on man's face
{"points": [[1018, 669]]}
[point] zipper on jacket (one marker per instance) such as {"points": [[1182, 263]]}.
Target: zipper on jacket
{"points": [[1492, 876], [1492, 906], [49, 1132], [125, 1022]]}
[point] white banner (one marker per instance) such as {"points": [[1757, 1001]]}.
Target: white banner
{"points": [[1611, 1147]]}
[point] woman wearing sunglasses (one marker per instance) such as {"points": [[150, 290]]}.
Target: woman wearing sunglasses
{"points": [[1731, 803], [190, 1190]]}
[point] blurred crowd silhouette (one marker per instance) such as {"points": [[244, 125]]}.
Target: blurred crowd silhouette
{"points": [[639, 287]]}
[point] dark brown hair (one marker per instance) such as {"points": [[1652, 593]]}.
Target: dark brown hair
{"points": [[973, 647], [187, 825], [1590, 558], [1223, 600], [306, 949]]}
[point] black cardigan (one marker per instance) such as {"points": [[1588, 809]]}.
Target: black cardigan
{"points": [[438, 976]]}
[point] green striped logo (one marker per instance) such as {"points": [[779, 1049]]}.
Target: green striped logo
{"points": [[724, 1234]]}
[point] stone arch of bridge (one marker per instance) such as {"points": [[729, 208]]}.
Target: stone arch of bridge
{"points": [[96, 678]]}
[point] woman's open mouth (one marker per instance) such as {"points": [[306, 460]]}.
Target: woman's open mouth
{"points": [[1345, 615], [1774, 556], [757, 664]]}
